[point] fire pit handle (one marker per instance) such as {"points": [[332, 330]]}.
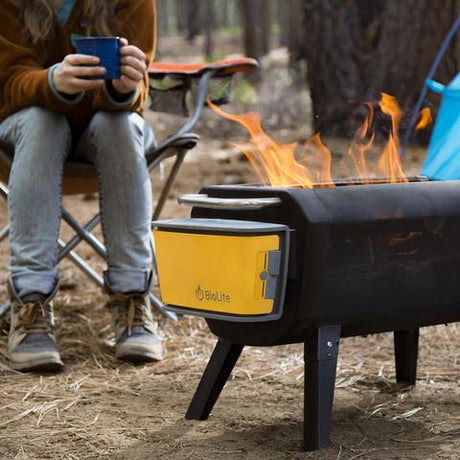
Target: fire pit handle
{"points": [[204, 201]]}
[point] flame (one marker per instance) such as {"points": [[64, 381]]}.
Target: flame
{"points": [[425, 119], [322, 156], [360, 146], [390, 161], [278, 165], [274, 163]]}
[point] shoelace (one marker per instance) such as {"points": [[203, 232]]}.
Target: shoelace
{"points": [[33, 318], [135, 314]]}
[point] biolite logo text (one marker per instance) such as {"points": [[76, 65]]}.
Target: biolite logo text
{"points": [[199, 293], [211, 295]]}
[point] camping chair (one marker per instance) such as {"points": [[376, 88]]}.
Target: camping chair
{"points": [[180, 89]]}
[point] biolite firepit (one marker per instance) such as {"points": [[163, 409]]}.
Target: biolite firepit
{"points": [[314, 266]]}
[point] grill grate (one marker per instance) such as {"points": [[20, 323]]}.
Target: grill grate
{"points": [[343, 182]]}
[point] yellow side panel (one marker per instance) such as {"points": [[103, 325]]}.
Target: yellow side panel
{"points": [[214, 272]]}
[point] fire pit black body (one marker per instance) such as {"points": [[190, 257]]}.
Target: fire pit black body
{"points": [[363, 259]]}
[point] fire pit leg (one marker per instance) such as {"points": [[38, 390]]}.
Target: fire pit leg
{"points": [[321, 351], [406, 354], [216, 374]]}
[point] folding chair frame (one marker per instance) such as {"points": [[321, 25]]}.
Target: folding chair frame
{"points": [[176, 146]]}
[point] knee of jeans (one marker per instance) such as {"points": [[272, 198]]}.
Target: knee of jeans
{"points": [[104, 122], [40, 127], [41, 118], [116, 127]]}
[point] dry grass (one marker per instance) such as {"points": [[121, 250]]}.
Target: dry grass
{"points": [[100, 408]]}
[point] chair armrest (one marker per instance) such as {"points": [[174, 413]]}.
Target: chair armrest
{"points": [[185, 141]]}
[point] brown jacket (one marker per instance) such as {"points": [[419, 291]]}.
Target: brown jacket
{"points": [[24, 80]]}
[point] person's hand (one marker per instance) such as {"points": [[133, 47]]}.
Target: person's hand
{"points": [[132, 67], [70, 76]]}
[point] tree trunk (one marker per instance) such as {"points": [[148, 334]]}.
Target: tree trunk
{"points": [[193, 19], [180, 15], [163, 17], [396, 69], [334, 73], [254, 19], [436, 25], [296, 43], [209, 25], [265, 31], [356, 49], [223, 13], [282, 12]]}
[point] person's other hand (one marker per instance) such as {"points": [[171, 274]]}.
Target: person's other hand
{"points": [[132, 67], [70, 76]]}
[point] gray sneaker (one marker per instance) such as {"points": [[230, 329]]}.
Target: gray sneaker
{"points": [[136, 334], [32, 341]]}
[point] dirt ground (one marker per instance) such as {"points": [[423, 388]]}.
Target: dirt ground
{"points": [[98, 408]]}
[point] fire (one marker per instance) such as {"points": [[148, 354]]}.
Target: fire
{"points": [[274, 163], [361, 144], [314, 152], [280, 164], [425, 119], [390, 161]]}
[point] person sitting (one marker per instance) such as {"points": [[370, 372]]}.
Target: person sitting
{"points": [[53, 103]]}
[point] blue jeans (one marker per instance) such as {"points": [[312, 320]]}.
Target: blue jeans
{"points": [[115, 142]]}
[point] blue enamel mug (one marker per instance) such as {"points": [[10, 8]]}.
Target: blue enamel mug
{"points": [[107, 49]]}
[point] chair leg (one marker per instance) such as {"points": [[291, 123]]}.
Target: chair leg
{"points": [[85, 235], [321, 352], [75, 241], [4, 308], [82, 265], [169, 182], [4, 193], [406, 355], [216, 374], [160, 306], [4, 232]]}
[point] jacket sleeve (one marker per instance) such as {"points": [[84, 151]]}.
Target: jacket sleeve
{"points": [[137, 20], [24, 82]]}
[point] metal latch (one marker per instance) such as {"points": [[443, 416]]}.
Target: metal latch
{"points": [[271, 273]]}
